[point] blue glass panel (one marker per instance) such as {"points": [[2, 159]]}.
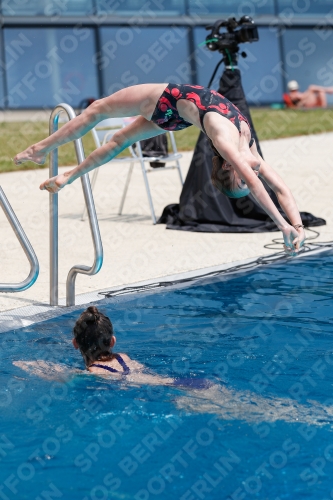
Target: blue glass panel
{"points": [[133, 55], [295, 8], [309, 58], [49, 65], [141, 11], [2, 77], [46, 7], [233, 8], [261, 69]]}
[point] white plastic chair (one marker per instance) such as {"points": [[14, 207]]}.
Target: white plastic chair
{"points": [[103, 132]]}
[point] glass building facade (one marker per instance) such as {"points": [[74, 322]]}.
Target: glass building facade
{"points": [[71, 50]]}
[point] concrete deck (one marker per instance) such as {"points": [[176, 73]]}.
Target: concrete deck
{"points": [[134, 249]]}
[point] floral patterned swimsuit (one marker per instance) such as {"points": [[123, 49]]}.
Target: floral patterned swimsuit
{"points": [[166, 115]]}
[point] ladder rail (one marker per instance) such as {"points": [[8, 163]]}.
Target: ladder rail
{"points": [[93, 222], [25, 244]]}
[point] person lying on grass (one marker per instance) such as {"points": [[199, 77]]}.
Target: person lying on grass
{"points": [[314, 96], [237, 164]]}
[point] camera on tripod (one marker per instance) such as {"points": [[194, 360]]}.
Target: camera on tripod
{"points": [[229, 41]]}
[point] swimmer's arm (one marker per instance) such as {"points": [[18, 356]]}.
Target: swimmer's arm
{"points": [[47, 369], [148, 379]]}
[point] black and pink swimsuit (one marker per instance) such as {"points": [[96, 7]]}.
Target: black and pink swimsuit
{"points": [[166, 115]]}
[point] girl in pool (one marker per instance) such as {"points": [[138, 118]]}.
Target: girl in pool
{"points": [[94, 337], [237, 165]]}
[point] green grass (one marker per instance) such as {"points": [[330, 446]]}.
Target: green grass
{"points": [[16, 136], [274, 124], [269, 124]]}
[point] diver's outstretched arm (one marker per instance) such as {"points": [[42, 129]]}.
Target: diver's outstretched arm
{"points": [[293, 234]]}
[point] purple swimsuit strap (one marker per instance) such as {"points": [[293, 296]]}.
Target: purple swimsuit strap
{"points": [[120, 360]]}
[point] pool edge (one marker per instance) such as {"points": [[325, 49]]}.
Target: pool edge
{"points": [[22, 317]]}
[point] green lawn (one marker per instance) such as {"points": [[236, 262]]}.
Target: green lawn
{"points": [[16, 136], [269, 124], [274, 124]]}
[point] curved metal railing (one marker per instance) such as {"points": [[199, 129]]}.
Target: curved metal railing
{"points": [[25, 244], [94, 228]]}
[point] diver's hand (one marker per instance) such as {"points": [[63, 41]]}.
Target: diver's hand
{"points": [[56, 183], [293, 239]]}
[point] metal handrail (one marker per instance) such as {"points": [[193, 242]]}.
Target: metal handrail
{"points": [[93, 222], [25, 244]]}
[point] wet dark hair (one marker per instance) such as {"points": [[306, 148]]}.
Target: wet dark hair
{"points": [[222, 179], [93, 332]]}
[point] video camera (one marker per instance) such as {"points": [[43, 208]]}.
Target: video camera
{"points": [[229, 41]]}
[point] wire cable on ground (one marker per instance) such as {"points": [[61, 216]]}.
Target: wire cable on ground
{"points": [[279, 241]]}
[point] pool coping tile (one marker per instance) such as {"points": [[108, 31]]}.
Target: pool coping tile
{"points": [[28, 315]]}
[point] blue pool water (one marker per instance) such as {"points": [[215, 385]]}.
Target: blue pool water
{"points": [[263, 430]]}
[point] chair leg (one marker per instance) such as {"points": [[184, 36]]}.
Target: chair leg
{"points": [[148, 192], [180, 173], [93, 182], [128, 178], [174, 149]]}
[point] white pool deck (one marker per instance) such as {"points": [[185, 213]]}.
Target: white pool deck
{"points": [[135, 249]]}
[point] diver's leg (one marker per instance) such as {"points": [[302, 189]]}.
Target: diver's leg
{"points": [[131, 101], [138, 130], [74, 129]]}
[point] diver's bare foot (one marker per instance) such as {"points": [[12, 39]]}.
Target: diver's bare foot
{"points": [[30, 155], [56, 183]]}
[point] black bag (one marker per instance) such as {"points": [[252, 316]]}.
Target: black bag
{"points": [[156, 146], [85, 103]]}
